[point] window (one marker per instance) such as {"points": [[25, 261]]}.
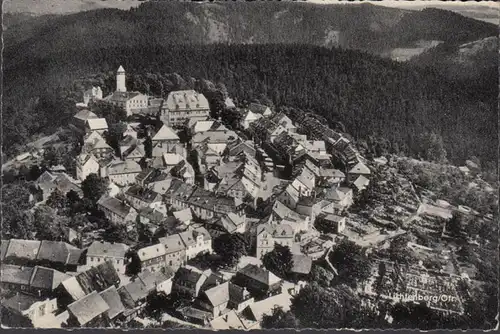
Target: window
{"points": [[117, 261], [98, 259], [91, 259]]}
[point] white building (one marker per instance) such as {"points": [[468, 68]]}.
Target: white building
{"points": [[131, 102], [269, 235], [100, 252], [123, 173], [184, 105], [86, 164], [197, 241]]}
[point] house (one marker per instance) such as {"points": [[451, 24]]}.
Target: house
{"points": [[92, 94], [268, 235], [228, 223], [332, 176], [123, 173], [185, 216], [197, 241], [357, 170], [113, 299], [127, 145], [313, 206], [38, 281], [131, 102], [281, 213], [183, 105], [234, 150], [81, 117], [61, 181], [256, 311], [151, 217], [188, 281], [361, 183], [229, 103], [152, 257], [135, 153], [98, 125], [332, 223], [248, 118], [222, 297], [98, 278], [53, 254], [21, 307], [160, 282], [100, 251], [341, 197], [89, 311], [133, 296], [117, 211], [131, 130], [175, 250], [194, 315], [305, 183], [96, 145], [140, 197], [260, 282], [86, 164], [290, 196], [301, 266], [260, 109], [229, 320], [285, 122], [166, 135], [196, 126]]}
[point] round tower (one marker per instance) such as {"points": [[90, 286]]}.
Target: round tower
{"points": [[120, 80]]}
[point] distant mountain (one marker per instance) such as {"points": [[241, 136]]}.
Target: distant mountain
{"points": [[365, 27]]}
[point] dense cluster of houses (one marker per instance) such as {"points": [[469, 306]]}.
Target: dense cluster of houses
{"points": [[271, 177]]}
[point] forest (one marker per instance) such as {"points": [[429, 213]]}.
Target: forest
{"points": [[372, 97]]}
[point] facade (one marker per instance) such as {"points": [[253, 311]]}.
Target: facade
{"points": [[123, 173], [131, 102], [175, 251], [86, 164], [184, 105], [117, 211], [189, 281], [258, 281], [197, 241], [100, 251], [269, 235], [152, 258], [98, 125], [92, 94]]}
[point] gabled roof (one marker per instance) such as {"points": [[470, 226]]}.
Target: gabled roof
{"points": [[107, 249], [46, 278], [172, 243], [151, 252], [172, 159], [85, 114], [151, 280], [143, 194], [135, 291], [97, 123], [121, 69], [112, 298], [259, 108], [361, 182], [58, 251], [336, 194], [21, 302], [229, 320], [23, 249], [259, 274], [189, 276], [184, 215], [88, 308], [360, 168], [276, 231], [124, 167], [16, 274], [116, 206], [96, 278], [165, 133]]}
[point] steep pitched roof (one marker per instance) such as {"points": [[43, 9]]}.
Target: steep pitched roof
{"points": [[16, 274], [259, 274], [112, 298], [172, 243], [360, 168], [186, 100], [57, 251], [124, 167], [96, 278], [361, 182], [165, 133], [85, 114], [116, 206], [88, 308], [184, 215], [151, 280], [23, 249], [302, 264], [46, 278]]}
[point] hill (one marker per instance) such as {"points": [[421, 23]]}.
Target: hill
{"points": [[365, 27], [394, 103]]}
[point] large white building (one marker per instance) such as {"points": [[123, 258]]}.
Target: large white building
{"points": [[184, 105]]}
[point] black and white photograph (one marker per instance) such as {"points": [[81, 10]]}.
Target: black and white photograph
{"points": [[249, 165]]}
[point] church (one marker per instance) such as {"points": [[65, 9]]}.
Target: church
{"points": [[131, 102]]}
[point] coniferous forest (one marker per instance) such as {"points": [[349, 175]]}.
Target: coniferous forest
{"points": [[372, 97]]}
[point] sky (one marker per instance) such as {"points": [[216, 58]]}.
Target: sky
{"points": [[481, 10]]}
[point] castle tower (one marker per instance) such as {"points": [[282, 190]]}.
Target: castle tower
{"points": [[120, 80]]}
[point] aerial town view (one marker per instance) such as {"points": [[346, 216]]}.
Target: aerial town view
{"points": [[244, 165]]}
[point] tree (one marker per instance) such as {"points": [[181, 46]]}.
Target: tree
{"points": [[279, 261], [56, 200], [52, 157], [351, 262], [321, 276], [279, 319], [48, 225], [116, 233], [432, 147], [399, 251], [94, 187], [339, 307], [454, 225], [134, 263], [14, 206], [231, 247], [148, 147]]}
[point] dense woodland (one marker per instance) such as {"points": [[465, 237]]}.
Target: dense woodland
{"points": [[369, 95]]}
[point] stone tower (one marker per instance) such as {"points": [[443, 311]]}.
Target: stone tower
{"points": [[120, 80]]}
